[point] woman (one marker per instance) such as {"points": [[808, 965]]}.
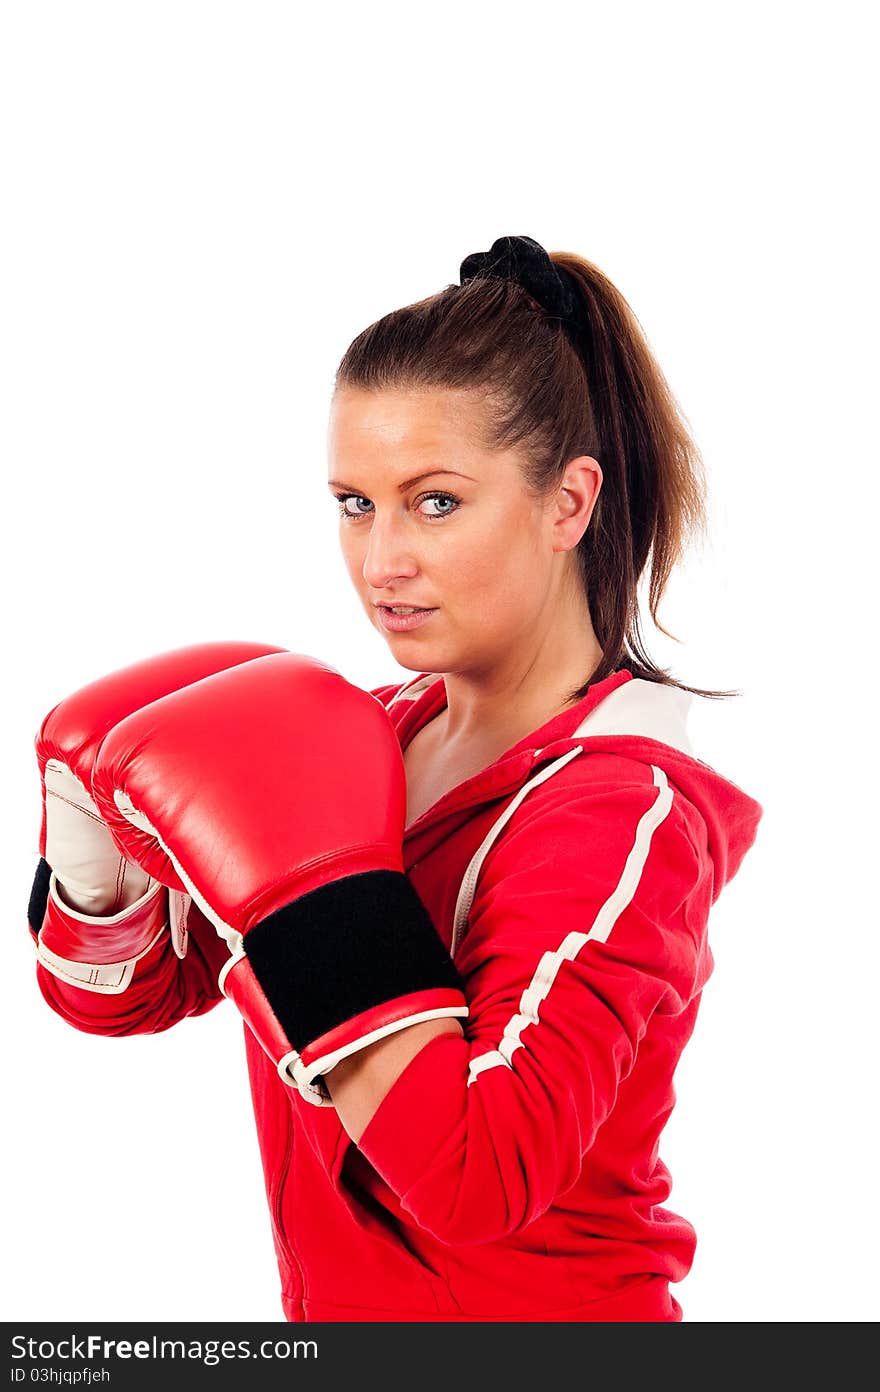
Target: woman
{"points": [[488, 1018]]}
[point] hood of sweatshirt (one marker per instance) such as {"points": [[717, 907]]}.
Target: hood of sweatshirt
{"points": [[622, 714]]}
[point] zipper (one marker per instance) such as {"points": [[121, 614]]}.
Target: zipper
{"points": [[469, 882], [277, 1222]]}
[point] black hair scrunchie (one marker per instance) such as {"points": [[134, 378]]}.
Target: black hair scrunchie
{"points": [[525, 261]]}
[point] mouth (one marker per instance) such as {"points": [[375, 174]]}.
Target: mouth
{"points": [[402, 623], [405, 608]]}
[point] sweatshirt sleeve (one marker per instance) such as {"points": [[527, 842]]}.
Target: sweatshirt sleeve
{"points": [[164, 987], [589, 919]]}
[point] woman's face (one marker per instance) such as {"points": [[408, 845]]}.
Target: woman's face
{"points": [[429, 517]]}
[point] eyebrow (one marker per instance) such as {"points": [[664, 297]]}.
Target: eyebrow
{"points": [[401, 487]]}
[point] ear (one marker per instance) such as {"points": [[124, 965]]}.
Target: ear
{"points": [[574, 501]]}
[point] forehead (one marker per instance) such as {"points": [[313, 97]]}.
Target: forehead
{"points": [[388, 426]]}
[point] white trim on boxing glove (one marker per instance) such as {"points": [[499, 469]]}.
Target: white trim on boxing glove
{"points": [[107, 978]]}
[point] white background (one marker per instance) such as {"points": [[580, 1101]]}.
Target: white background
{"points": [[203, 205]]}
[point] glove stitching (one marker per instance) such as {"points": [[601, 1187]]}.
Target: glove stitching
{"points": [[86, 811], [120, 880]]}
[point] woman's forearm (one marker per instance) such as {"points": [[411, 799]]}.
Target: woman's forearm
{"points": [[358, 1083]]}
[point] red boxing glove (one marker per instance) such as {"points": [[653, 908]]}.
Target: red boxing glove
{"points": [[275, 794], [94, 914]]}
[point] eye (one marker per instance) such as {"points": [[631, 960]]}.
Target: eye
{"points": [[437, 497], [440, 498], [343, 498]]}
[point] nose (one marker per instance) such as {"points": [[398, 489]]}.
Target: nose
{"points": [[388, 556]]}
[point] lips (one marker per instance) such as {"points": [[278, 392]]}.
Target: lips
{"points": [[402, 623]]}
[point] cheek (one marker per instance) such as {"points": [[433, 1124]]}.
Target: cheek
{"points": [[499, 565], [496, 559], [505, 544]]}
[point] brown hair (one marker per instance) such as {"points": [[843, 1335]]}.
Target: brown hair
{"points": [[554, 403]]}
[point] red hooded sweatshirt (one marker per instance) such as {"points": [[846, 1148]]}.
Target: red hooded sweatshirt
{"points": [[512, 1174]]}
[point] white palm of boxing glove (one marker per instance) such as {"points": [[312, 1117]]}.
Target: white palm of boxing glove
{"points": [[91, 872]]}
